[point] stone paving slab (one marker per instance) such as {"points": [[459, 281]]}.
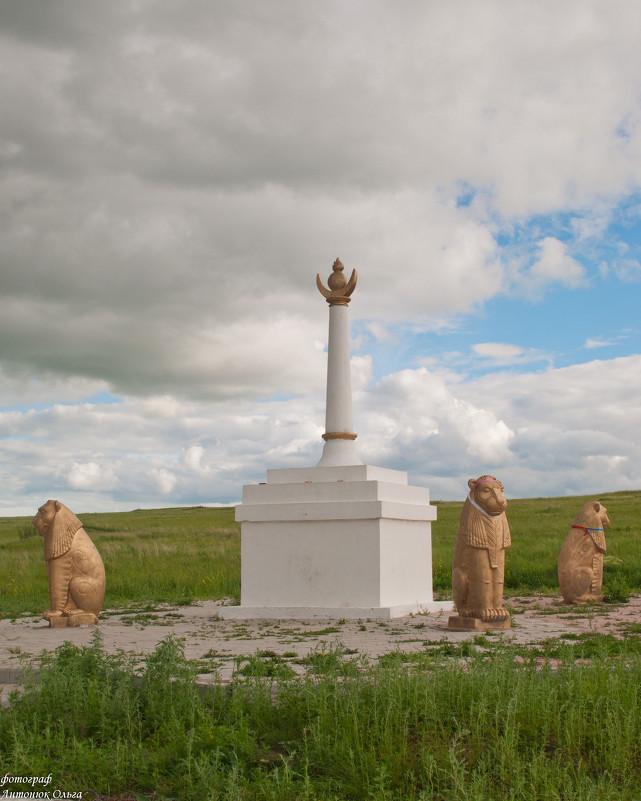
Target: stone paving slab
{"points": [[218, 643]]}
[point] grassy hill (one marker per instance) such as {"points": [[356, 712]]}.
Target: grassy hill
{"points": [[183, 555]]}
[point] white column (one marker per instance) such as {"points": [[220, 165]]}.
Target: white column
{"points": [[339, 448], [338, 409]]}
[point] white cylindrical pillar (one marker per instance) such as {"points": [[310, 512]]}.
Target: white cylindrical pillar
{"points": [[338, 408], [339, 448]]}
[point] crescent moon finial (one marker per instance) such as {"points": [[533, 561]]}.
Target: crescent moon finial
{"points": [[340, 288]]}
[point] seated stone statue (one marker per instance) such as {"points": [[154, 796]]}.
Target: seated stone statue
{"points": [[581, 559], [478, 567], [75, 569]]}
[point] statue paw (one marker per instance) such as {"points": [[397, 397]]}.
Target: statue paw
{"points": [[82, 618], [57, 619], [493, 615]]}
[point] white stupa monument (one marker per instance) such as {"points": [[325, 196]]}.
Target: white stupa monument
{"points": [[341, 539]]}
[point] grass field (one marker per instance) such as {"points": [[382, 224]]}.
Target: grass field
{"points": [[183, 555], [478, 721], [150, 556], [539, 526], [477, 727]]}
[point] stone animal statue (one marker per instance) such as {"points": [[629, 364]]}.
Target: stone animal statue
{"points": [[581, 558], [74, 567], [478, 567]]}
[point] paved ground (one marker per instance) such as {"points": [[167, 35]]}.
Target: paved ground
{"points": [[218, 644]]}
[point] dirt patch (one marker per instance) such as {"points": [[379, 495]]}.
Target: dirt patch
{"points": [[219, 646]]}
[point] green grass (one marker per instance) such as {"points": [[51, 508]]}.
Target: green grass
{"points": [[470, 724], [538, 527], [179, 556], [174, 556], [479, 719]]}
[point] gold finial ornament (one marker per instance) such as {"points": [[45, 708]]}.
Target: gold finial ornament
{"points": [[340, 288]]}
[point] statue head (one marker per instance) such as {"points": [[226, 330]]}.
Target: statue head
{"points": [[487, 492], [57, 524]]}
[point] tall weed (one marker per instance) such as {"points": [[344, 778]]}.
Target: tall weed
{"points": [[462, 728]]}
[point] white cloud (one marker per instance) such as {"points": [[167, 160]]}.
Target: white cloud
{"points": [[554, 265], [131, 308], [628, 270], [488, 439], [504, 354], [576, 428], [498, 351], [90, 475], [182, 193], [201, 162], [416, 419], [571, 430], [381, 333], [165, 479], [193, 457]]}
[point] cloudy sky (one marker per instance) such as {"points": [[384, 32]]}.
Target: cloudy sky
{"points": [[174, 173]]}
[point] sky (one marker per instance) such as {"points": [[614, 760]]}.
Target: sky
{"points": [[174, 174]]}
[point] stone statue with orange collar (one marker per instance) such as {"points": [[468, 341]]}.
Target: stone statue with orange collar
{"points": [[581, 558]]}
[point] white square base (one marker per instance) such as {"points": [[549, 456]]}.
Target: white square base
{"points": [[335, 542], [333, 613]]}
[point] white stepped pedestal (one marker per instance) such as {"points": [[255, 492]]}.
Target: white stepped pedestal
{"points": [[350, 541]]}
